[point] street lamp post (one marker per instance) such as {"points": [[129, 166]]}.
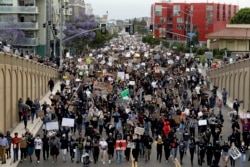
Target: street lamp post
{"points": [[61, 28]]}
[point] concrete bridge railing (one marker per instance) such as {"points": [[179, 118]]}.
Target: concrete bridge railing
{"points": [[235, 78], [20, 78]]}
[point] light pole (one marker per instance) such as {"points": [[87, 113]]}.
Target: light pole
{"points": [[61, 28]]}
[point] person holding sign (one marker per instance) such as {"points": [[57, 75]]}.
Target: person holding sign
{"points": [[232, 160], [243, 150]]}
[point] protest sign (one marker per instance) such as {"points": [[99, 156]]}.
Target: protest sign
{"points": [[40, 113], [103, 86], [131, 82], [68, 122], [234, 152], [52, 126], [202, 122], [139, 130], [120, 145], [121, 102], [148, 97], [121, 75], [125, 93], [131, 145]]}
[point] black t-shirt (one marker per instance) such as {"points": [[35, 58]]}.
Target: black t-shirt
{"points": [[148, 142], [111, 143], [225, 148]]}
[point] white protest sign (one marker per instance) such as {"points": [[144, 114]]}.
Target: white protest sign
{"points": [[127, 76], [187, 112], [202, 122], [121, 75], [79, 60], [131, 145], [131, 83], [139, 130], [234, 152], [52, 126], [68, 122]]}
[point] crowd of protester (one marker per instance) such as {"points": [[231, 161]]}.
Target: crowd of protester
{"points": [[169, 100]]}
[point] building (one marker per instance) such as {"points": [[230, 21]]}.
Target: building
{"points": [[40, 21], [178, 21], [235, 38]]}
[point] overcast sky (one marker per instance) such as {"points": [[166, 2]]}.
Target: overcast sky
{"points": [[125, 9]]}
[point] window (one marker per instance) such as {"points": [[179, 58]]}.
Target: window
{"points": [[6, 2], [176, 11], [176, 37], [158, 10], [209, 7], [179, 26], [162, 20], [180, 20]]}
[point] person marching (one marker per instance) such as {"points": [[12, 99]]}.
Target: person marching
{"points": [[38, 146]]}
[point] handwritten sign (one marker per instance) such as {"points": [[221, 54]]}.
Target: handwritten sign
{"points": [[103, 86], [234, 152], [139, 130]]}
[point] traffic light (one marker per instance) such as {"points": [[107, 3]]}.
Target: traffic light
{"points": [[151, 27], [44, 25], [103, 28], [49, 23], [130, 29]]}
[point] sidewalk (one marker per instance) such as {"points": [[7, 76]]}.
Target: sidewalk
{"points": [[34, 128]]}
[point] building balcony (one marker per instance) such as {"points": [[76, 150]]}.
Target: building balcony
{"points": [[19, 9], [23, 25], [28, 42]]}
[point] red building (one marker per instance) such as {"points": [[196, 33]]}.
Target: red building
{"points": [[176, 21]]}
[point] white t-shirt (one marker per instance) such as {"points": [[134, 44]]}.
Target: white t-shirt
{"points": [[38, 143], [103, 145]]}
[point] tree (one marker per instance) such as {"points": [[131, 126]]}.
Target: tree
{"points": [[99, 39], [150, 39], [10, 32], [80, 26], [241, 17]]}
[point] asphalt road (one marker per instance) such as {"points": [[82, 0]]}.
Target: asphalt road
{"points": [[186, 161]]}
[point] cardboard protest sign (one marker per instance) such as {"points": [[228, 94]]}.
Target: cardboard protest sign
{"points": [[139, 130], [159, 101], [68, 122], [129, 69], [120, 145], [148, 97], [131, 82], [40, 113], [176, 118], [52, 126], [103, 86], [72, 108]]}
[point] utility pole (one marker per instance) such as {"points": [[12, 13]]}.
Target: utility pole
{"points": [[61, 28], [47, 50]]}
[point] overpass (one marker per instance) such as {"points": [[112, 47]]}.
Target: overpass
{"points": [[236, 79], [20, 78]]}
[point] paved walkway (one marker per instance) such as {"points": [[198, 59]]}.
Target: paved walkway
{"points": [[34, 128]]}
